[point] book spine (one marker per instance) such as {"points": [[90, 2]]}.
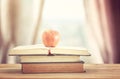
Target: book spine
{"points": [[53, 68]]}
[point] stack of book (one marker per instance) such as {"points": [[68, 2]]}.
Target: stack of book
{"points": [[36, 59]]}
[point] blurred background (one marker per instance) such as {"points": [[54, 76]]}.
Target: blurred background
{"points": [[93, 24]]}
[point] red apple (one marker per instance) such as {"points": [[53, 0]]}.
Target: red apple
{"points": [[50, 38]]}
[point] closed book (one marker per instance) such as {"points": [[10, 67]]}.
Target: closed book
{"points": [[38, 59], [41, 50], [29, 68]]}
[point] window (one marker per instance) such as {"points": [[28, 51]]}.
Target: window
{"points": [[68, 17]]}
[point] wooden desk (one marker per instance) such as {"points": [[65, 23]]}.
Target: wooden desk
{"points": [[110, 71]]}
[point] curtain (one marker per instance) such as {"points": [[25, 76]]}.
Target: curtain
{"points": [[115, 10], [19, 24], [103, 21]]}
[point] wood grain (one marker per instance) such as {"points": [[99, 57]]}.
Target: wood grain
{"points": [[94, 71]]}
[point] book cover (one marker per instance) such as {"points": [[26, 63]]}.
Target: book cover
{"points": [[69, 67]]}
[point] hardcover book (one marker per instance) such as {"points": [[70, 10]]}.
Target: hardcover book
{"points": [[69, 67], [38, 59]]}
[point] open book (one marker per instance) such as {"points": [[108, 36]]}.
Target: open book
{"points": [[31, 50]]}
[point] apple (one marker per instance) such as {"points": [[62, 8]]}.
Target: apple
{"points": [[50, 37]]}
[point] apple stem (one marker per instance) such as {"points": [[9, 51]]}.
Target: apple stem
{"points": [[49, 53]]}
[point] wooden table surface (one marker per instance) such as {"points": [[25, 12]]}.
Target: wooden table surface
{"points": [[110, 71]]}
